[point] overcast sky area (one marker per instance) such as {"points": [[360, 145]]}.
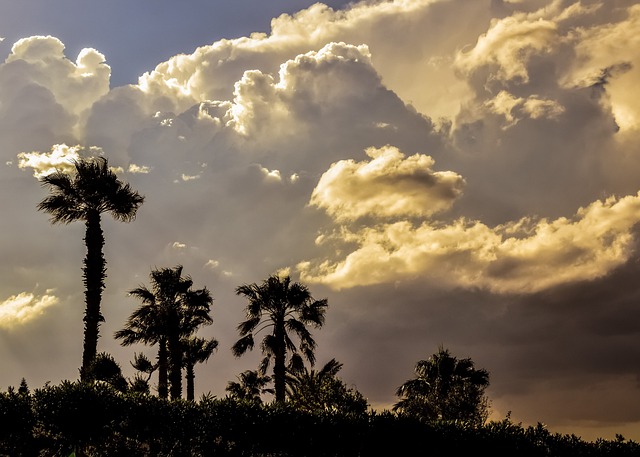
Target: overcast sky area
{"points": [[445, 172]]}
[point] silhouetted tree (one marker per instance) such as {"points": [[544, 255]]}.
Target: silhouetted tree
{"points": [[250, 386], [285, 308], [196, 350], [445, 388], [23, 389], [322, 390], [84, 195], [105, 369], [142, 365], [171, 310]]}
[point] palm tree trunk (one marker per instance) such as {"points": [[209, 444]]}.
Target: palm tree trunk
{"points": [[94, 273], [175, 365], [163, 389], [190, 381], [279, 370]]}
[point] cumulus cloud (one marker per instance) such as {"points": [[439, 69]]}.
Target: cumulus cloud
{"points": [[23, 308], [520, 257], [389, 185], [60, 158], [75, 85]]}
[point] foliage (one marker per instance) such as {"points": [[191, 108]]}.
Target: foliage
{"points": [[96, 420], [286, 308], [445, 388], [249, 387], [105, 369], [322, 390]]}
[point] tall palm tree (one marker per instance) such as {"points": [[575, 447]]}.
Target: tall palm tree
{"points": [[445, 388], [91, 190], [171, 310], [196, 350], [285, 308], [249, 386]]}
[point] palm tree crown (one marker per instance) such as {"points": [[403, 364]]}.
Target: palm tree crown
{"points": [[285, 308], [445, 388], [84, 195]]}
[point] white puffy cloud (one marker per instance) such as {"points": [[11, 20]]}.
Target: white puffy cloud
{"points": [[388, 185], [76, 86], [60, 158], [23, 308]]}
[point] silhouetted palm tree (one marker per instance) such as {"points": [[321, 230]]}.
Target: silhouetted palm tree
{"points": [[445, 388], [170, 311], [92, 190], [285, 308], [250, 386], [196, 350]]}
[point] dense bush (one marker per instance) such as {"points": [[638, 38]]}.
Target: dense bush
{"points": [[96, 420]]}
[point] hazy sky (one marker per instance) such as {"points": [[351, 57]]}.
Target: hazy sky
{"points": [[461, 173]]}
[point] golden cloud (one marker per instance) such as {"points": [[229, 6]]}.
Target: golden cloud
{"points": [[389, 185], [24, 307], [519, 257]]}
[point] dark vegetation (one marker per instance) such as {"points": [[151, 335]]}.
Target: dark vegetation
{"points": [[76, 418], [442, 411]]}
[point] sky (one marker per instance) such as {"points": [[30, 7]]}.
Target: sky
{"points": [[447, 173]]}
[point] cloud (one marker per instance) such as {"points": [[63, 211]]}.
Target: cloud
{"points": [[520, 257], [22, 308], [389, 185], [60, 158], [76, 86], [513, 108], [605, 56], [508, 45]]}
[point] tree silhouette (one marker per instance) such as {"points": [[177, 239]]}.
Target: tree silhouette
{"points": [[171, 311], [285, 308], [90, 191], [250, 386], [445, 388], [196, 350], [321, 390], [105, 369]]}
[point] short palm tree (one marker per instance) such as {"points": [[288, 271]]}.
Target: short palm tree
{"points": [[285, 308], [249, 386], [445, 388], [322, 390], [84, 195], [171, 311], [196, 350]]}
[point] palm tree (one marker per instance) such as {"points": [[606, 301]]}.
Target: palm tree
{"points": [[445, 388], [92, 190], [250, 386], [196, 350], [171, 310], [283, 307]]}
